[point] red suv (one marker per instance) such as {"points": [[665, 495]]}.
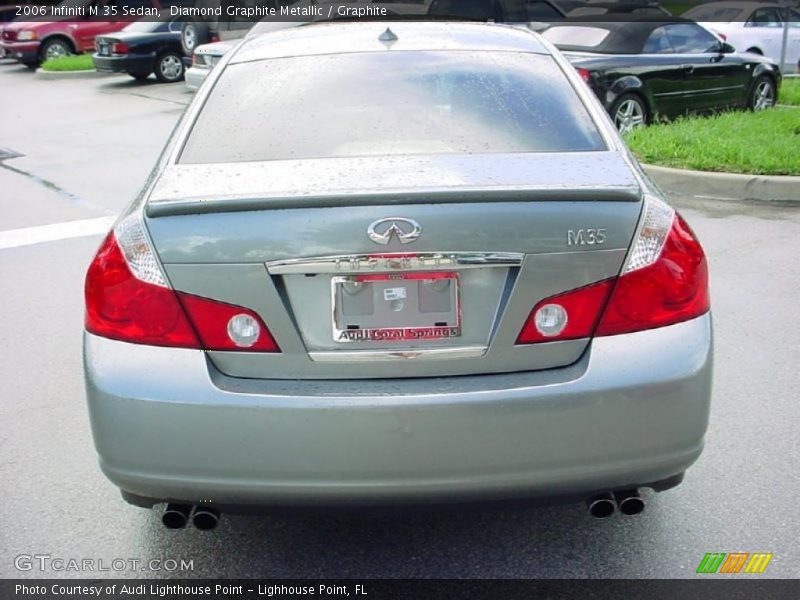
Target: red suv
{"points": [[32, 41]]}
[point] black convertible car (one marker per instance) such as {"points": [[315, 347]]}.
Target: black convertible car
{"points": [[643, 68], [142, 48]]}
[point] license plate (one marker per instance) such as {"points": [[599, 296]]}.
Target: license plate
{"points": [[396, 307]]}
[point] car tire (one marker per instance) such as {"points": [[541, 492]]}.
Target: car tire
{"points": [[140, 76], [628, 112], [762, 94], [194, 34], [169, 67], [54, 48]]}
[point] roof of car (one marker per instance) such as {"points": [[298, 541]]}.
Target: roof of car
{"points": [[372, 36], [628, 33]]}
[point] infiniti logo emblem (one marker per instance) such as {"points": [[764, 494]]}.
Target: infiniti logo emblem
{"points": [[382, 231]]}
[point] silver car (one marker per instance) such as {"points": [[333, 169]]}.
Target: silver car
{"points": [[400, 264]]}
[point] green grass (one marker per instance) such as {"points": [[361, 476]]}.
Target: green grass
{"points": [[678, 8], [73, 62], [790, 91], [764, 143]]}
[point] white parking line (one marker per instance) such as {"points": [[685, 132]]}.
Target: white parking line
{"points": [[27, 236]]}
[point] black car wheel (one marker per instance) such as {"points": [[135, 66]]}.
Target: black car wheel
{"points": [[54, 49], [169, 67], [194, 34], [762, 96], [629, 112]]}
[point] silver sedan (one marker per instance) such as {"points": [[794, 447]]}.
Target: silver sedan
{"points": [[399, 264]]}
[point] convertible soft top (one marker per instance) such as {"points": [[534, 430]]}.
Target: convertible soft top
{"points": [[626, 33]]}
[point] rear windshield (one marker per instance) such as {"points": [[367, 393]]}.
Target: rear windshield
{"points": [[393, 103]]}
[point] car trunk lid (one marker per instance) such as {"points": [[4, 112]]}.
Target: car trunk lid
{"points": [[497, 234]]}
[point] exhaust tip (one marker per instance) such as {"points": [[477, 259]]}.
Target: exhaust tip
{"points": [[601, 506], [176, 516], [205, 518], [630, 502]]}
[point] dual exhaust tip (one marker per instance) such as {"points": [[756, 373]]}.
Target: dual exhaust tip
{"points": [[205, 518], [604, 505], [176, 516]]}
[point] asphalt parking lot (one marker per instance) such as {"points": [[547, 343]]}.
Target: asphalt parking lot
{"points": [[86, 146]]}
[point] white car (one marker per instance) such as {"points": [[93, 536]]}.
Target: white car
{"points": [[203, 59], [206, 56], [754, 27]]}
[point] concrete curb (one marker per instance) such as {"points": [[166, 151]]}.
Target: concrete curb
{"points": [[87, 74], [726, 186]]}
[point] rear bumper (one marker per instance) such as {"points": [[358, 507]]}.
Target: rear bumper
{"points": [[24, 52], [633, 410], [195, 76], [124, 64]]}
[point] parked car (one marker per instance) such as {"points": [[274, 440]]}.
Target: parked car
{"points": [[753, 27], [143, 48], [201, 30], [203, 60], [370, 278], [206, 56], [641, 69], [32, 42]]}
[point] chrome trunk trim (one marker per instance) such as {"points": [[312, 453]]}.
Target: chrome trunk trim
{"points": [[372, 263], [399, 355]]}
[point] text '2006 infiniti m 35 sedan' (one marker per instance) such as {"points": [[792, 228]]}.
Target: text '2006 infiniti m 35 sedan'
{"points": [[396, 265]]}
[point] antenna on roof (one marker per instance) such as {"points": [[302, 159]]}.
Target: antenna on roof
{"points": [[388, 38]]}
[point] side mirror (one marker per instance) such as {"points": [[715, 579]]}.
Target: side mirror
{"points": [[726, 48]]}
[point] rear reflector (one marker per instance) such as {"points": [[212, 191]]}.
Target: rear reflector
{"points": [[664, 282], [129, 299]]}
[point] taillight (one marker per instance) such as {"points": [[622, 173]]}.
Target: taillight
{"points": [[119, 48], [222, 326], [584, 73], [129, 299], [568, 316], [671, 289], [664, 281], [197, 59]]}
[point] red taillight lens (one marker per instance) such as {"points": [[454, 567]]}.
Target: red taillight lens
{"points": [[121, 306], [584, 73], [581, 310], [213, 323], [119, 48], [671, 290]]}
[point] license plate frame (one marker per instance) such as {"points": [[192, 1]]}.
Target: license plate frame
{"points": [[386, 288]]}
